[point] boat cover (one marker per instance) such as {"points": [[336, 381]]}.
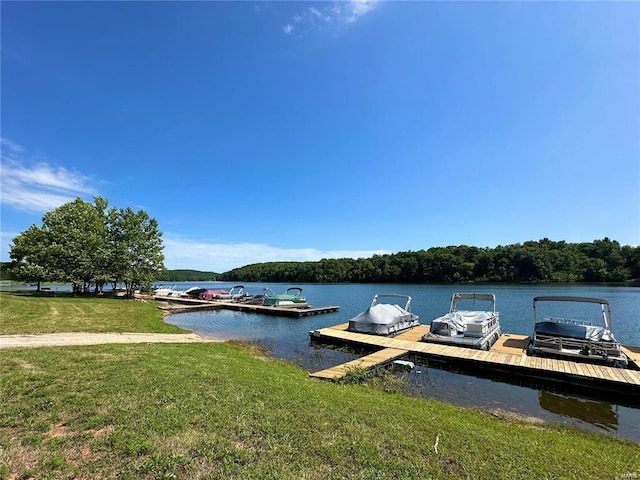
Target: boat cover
{"points": [[581, 332], [383, 319], [454, 322], [213, 294]]}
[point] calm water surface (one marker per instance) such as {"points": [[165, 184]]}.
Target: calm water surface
{"points": [[288, 339]]}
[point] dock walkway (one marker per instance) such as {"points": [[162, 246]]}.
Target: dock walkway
{"points": [[381, 357], [508, 353], [195, 304]]}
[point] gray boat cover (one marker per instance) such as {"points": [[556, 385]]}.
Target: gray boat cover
{"points": [[581, 332], [383, 319], [454, 322]]}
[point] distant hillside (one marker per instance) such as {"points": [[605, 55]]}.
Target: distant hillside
{"points": [[187, 276], [542, 261]]}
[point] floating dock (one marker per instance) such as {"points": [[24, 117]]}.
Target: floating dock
{"points": [[195, 304], [509, 353]]}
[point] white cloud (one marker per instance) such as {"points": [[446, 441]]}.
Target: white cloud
{"points": [[37, 187], [358, 8], [182, 253], [332, 16], [8, 144]]}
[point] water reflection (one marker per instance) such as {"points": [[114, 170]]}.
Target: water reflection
{"points": [[601, 414]]}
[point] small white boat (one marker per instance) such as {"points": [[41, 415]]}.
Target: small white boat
{"points": [[571, 337], [467, 328], [385, 318], [162, 291], [238, 294]]}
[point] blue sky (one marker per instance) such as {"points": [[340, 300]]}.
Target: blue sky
{"points": [[262, 131]]}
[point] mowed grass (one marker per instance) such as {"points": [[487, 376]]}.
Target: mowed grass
{"points": [[27, 313], [225, 410]]}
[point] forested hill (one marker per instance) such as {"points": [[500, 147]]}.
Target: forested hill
{"points": [[187, 276], [542, 261]]}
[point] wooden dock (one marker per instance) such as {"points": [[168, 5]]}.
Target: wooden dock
{"points": [[195, 304], [280, 311], [381, 357], [507, 354]]}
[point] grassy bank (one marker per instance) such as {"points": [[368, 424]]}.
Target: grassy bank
{"points": [[31, 313], [222, 411]]}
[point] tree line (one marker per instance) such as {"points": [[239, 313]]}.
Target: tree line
{"points": [[186, 275], [89, 244], [534, 261]]}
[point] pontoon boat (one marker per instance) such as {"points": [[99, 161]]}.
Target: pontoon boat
{"points": [[291, 298], [385, 318], [467, 328], [571, 337]]}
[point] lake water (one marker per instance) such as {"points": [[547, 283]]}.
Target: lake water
{"points": [[288, 339]]}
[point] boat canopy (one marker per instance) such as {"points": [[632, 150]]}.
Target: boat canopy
{"points": [[485, 297], [601, 301], [604, 305]]}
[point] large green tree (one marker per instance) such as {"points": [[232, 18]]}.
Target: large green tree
{"points": [[78, 241], [83, 243]]}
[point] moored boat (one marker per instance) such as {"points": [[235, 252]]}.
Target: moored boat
{"points": [[216, 294], [162, 291], [291, 298], [193, 292], [238, 294], [467, 328], [572, 337], [384, 318]]}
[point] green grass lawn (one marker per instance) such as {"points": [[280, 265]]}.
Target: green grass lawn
{"points": [[225, 411], [27, 312]]}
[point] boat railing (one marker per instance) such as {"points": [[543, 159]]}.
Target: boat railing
{"points": [[568, 321], [562, 343]]}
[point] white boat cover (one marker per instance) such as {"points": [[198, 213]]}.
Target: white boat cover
{"points": [[383, 319], [455, 322]]}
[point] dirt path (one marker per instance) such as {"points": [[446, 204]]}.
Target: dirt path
{"points": [[84, 338]]}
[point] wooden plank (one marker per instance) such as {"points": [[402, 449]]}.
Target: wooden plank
{"points": [[617, 375], [582, 370], [376, 358], [634, 376], [591, 370], [602, 372], [524, 360], [625, 377], [566, 367], [612, 373]]}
